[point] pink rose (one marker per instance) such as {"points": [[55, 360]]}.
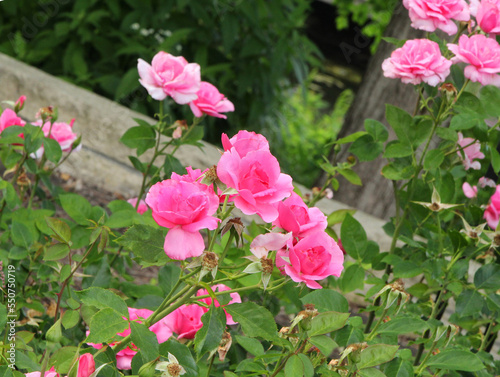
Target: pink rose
{"points": [[60, 132], [488, 16], [185, 321], [418, 60], [257, 178], [18, 106], [471, 150], [210, 102], [142, 205], [86, 365], [50, 373], [430, 15], [469, 191], [295, 216], [314, 257], [245, 142], [235, 299], [492, 212], [184, 208], [10, 118], [264, 243], [483, 55], [170, 75]]}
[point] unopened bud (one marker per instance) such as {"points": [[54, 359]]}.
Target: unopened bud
{"points": [[449, 91], [19, 104], [47, 113]]}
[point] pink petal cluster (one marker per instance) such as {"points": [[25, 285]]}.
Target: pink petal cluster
{"points": [[86, 365], [471, 150], [483, 56], [430, 15], [61, 132], [312, 258], [294, 216], [18, 106], [184, 207], [210, 102], [469, 191], [50, 373], [125, 356], [10, 118], [244, 142], [492, 212], [488, 16], [141, 208], [264, 243], [170, 75], [256, 175], [185, 321], [419, 60]]}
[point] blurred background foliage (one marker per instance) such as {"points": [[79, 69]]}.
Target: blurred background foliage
{"points": [[256, 52]]}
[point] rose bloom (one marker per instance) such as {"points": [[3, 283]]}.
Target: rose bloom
{"points": [[86, 365], [60, 132], [430, 15], [483, 55], [294, 216], [469, 191], [488, 16], [184, 208], [210, 102], [50, 373], [471, 150], [142, 205], [170, 75], [312, 258], [245, 142], [125, 356], [257, 178], [10, 118], [418, 60], [492, 212]]}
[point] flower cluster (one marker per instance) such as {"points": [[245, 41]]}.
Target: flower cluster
{"points": [[85, 368], [173, 76]]}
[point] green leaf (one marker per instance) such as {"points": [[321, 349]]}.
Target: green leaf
{"points": [[352, 278], [353, 237], [404, 324], [488, 277], [406, 269], [56, 252], [326, 300], [52, 150], [453, 359], [146, 340], [397, 149], [400, 121], [70, 318], [350, 138], [495, 159], [251, 345], [351, 176], [447, 134], [294, 367], [172, 165], [21, 235], [324, 343], [54, 334], [103, 298], [183, 356], [366, 148], [104, 326], [469, 302], [255, 321], [194, 136], [463, 121], [395, 172], [371, 372], [140, 137], [433, 159], [60, 228], [490, 97], [399, 368], [376, 354], [376, 129], [145, 241], [327, 322], [308, 367], [208, 338], [168, 276], [338, 216], [77, 207], [63, 358]]}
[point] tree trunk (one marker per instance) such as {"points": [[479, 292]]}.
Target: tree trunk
{"points": [[375, 196]]}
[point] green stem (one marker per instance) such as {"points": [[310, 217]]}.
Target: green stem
{"points": [[210, 365], [484, 341], [379, 322], [226, 248], [422, 365]]}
